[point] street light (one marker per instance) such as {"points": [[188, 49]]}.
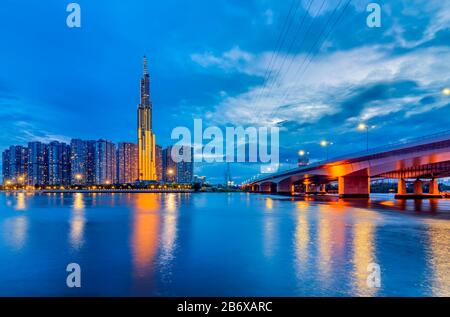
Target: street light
{"points": [[446, 91], [326, 144], [301, 153], [78, 176], [362, 127]]}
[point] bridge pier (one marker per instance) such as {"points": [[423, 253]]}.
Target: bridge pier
{"points": [[285, 187], [418, 187], [354, 186], [401, 187], [265, 188], [323, 188], [434, 187]]}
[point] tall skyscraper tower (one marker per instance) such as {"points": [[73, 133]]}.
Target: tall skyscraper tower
{"points": [[146, 138]]}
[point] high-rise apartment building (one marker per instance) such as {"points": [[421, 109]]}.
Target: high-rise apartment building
{"points": [[82, 164], [59, 163], [127, 163], [6, 177], [169, 166], [37, 163], [185, 168], [159, 163], [18, 164], [105, 162]]}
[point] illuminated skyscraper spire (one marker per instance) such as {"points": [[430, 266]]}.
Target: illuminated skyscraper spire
{"points": [[145, 65], [146, 138]]}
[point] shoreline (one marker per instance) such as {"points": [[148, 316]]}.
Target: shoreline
{"points": [[98, 191]]}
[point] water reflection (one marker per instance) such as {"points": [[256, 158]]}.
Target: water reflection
{"points": [[21, 204], [269, 229], [169, 227], [302, 239], [439, 257], [144, 241], [77, 221], [363, 254], [16, 231], [325, 240]]}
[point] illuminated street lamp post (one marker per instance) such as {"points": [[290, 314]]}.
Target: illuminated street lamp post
{"points": [[326, 144], [446, 91], [362, 127]]}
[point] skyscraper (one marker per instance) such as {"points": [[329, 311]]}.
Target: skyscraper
{"points": [[78, 161], [169, 166], [58, 163], [127, 163], [5, 166], [159, 163], [18, 164], [146, 138], [105, 162], [37, 163], [82, 165], [185, 168]]}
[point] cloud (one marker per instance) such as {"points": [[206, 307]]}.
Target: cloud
{"points": [[269, 16], [233, 60], [333, 78]]}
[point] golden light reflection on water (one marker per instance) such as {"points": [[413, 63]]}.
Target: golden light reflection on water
{"points": [[325, 240], [144, 241], [363, 254], [169, 227], [439, 257], [269, 229], [19, 231], [302, 238], [77, 221], [21, 204]]}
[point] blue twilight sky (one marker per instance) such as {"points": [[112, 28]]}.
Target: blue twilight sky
{"points": [[218, 60]]}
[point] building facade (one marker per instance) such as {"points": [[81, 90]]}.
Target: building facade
{"points": [[169, 166], [185, 168], [37, 163], [59, 162], [159, 163], [127, 163], [82, 164], [146, 137], [105, 162], [6, 176], [18, 164]]}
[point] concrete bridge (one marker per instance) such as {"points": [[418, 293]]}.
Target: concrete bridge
{"points": [[421, 160]]}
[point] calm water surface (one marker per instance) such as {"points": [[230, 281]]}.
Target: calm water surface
{"points": [[221, 244]]}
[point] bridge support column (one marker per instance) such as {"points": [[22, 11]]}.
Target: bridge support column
{"points": [[401, 187], [265, 188], [285, 187], [418, 187], [323, 188], [307, 188], [434, 187], [354, 186]]}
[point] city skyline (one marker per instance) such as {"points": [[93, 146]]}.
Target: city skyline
{"points": [[99, 162], [391, 78]]}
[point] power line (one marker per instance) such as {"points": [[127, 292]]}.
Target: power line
{"points": [[280, 42], [291, 46], [311, 55]]}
